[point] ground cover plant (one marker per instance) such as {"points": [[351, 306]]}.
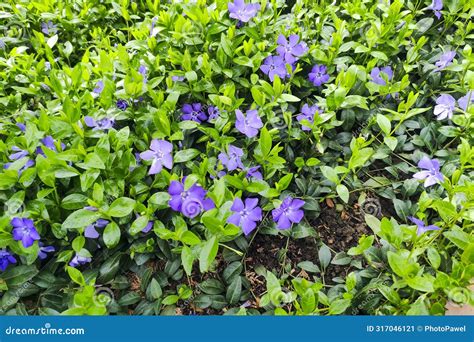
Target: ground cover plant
{"points": [[246, 158]]}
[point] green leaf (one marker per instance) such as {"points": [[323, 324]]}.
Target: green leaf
{"points": [[111, 235], [234, 290], [421, 283], [170, 300], [187, 259], [324, 256], [343, 192], [76, 275], [121, 207], [80, 219], [155, 289], [338, 306], [208, 254], [290, 98], [265, 142], [308, 301], [309, 266], [185, 155], [391, 142], [138, 225]]}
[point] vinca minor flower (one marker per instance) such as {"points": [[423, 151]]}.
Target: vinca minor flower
{"points": [[241, 11], [274, 65], [193, 112], [444, 107], [291, 49], [307, 113], [79, 260], [436, 6], [24, 230], [102, 124], [288, 212], [318, 75], [421, 228], [190, 202], [377, 75], [231, 160], [431, 173], [445, 60], [6, 258], [245, 215], [160, 154], [248, 124], [91, 231]]}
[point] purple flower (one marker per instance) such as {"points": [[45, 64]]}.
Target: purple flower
{"points": [[99, 87], [249, 124], [190, 202], [445, 60], [19, 153], [213, 113], [307, 113], [47, 66], [432, 175], [44, 250], [160, 154], [6, 258], [231, 160], [21, 126], [444, 107], [436, 6], [91, 231], [152, 27], [289, 49], [24, 230], [274, 65], [378, 78], [421, 228], [29, 163], [143, 71], [2, 44], [289, 212], [122, 104], [193, 112], [48, 28], [177, 78], [49, 142], [241, 11], [148, 227], [102, 124], [466, 100], [318, 75], [245, 216], [253, 172], [79, 260]]}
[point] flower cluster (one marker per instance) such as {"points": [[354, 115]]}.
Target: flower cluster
{"points": [[190, 202]]}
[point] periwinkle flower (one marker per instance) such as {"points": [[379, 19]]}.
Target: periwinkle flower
{"points": [[307, 113], [21, 126], [152, 27], [318, 75], [91, 230], [48, 28], [6, 259], [24, 230], [432, 174], [122, 104], [177, 78], [420, 226], [436, 6], [19, 153], [148, 227], [248, 124], [288, 212], [291, 49], [44, 250], [2, 44], [48, 142], [241, 11], [29, 163], [445, 60], [160, 154], [79, 260], [99, 87], [245, 215], [190, 202], [102, 124], [193, 112], [466, 100], [143, 71], [231, 160], [274, 65], [47, 66], [252, 172], [212, 112], [444, 108], [377, 75]]}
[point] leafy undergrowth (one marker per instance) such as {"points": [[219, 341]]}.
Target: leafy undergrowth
{"points": [[193, 158]]}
